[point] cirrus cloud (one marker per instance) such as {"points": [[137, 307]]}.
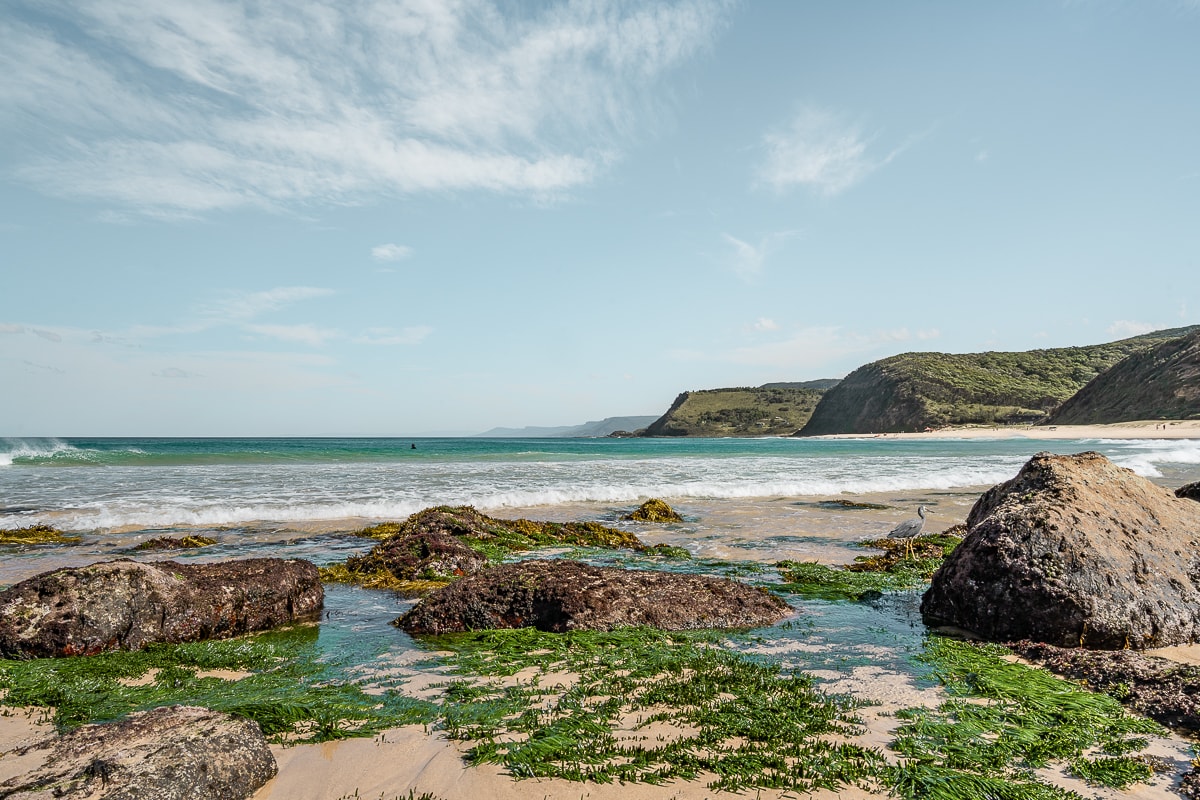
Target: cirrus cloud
{"points": [[177, 109]]}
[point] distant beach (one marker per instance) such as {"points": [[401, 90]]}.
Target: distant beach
{"points": [[1142, 429]]}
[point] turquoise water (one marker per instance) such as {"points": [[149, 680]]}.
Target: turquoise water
{"points": [[104, 484]]}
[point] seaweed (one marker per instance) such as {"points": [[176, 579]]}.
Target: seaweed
{"points": [[819, 581], [170, 543], [379, 579], [964, 749], [748, 723], [290, 692], [35, 534]]}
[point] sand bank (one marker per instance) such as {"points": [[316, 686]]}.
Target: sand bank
{"points": [[1142, 429]]}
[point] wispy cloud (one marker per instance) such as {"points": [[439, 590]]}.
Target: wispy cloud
{"points": [[1126, 328], [391, 252], [172, 372], [174, 109], [247, 305], [747, 259], [389, 336], [301, 334], [765, 324], [819, 150]]}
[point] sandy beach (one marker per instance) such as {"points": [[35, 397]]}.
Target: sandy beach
{"points": [[1141, 429]]}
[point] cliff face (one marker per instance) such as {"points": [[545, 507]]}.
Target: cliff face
{"points": [[1160, 383], [763, 411], [915, 391]]}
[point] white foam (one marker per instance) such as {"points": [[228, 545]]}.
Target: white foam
{"points": [[31, 448]]}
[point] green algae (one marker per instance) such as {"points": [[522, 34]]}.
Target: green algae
{"points": [[35, 534], [378, 579], [891, 571], [748, 723], [964, 749], [291, 692]]}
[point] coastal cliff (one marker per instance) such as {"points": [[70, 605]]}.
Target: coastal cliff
{"points": [[1160, 383], [916, 391], [770, 410]]}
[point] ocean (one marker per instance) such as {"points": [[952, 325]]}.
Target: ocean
{"points": [[120, 485]]}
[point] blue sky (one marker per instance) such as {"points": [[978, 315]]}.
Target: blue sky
{"points": [[391, 218]]}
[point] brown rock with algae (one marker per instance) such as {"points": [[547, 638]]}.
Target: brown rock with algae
{"points": [[125, 604], [1077, 552], [560, 595]]}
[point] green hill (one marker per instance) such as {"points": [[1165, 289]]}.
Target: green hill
{"points": [[915, 391], [762, 411], [1160, 383]]}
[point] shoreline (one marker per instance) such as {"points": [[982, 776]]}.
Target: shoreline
{"points": [[1140, 429]]}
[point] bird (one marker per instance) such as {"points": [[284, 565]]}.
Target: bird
{"points": [[910, 529]]}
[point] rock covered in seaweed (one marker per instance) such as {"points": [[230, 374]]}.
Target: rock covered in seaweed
{"points": [[169, 753], [1074, 551], [561, 595], [126, 605], [654, 510], [447, 542], [1189, 492], [424, 555], [176, 543]]}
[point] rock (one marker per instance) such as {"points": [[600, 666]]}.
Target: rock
{"points": [[427, 555], [1165, 691], [125, 605], [562, 595], [1077, 552], [175, 543], [654, 510], [170, 753], [1189, 492]]}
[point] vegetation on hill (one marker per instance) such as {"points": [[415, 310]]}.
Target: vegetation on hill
{"points": [[1160, 383], [915, 391], [761, 411]]}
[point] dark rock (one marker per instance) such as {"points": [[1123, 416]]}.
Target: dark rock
{"points": [[654, 510], [1163, 690], [172, 753], [564, 595], [1074, 551], [1189, 492], [125, 605], [424, 555]]}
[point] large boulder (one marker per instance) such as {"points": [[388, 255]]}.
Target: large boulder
{"points": [[170, 753], [1189, 492], [561, 595], [1076, 552], [125, 605]]}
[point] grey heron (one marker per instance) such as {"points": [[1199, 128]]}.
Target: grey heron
{"points": [[910, 529]]}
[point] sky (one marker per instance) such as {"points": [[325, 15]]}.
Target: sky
{"points": [[420, 217]]}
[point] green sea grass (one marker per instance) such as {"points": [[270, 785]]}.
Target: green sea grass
{"points": [[291, 693], [964, 749], [748, 723]]}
